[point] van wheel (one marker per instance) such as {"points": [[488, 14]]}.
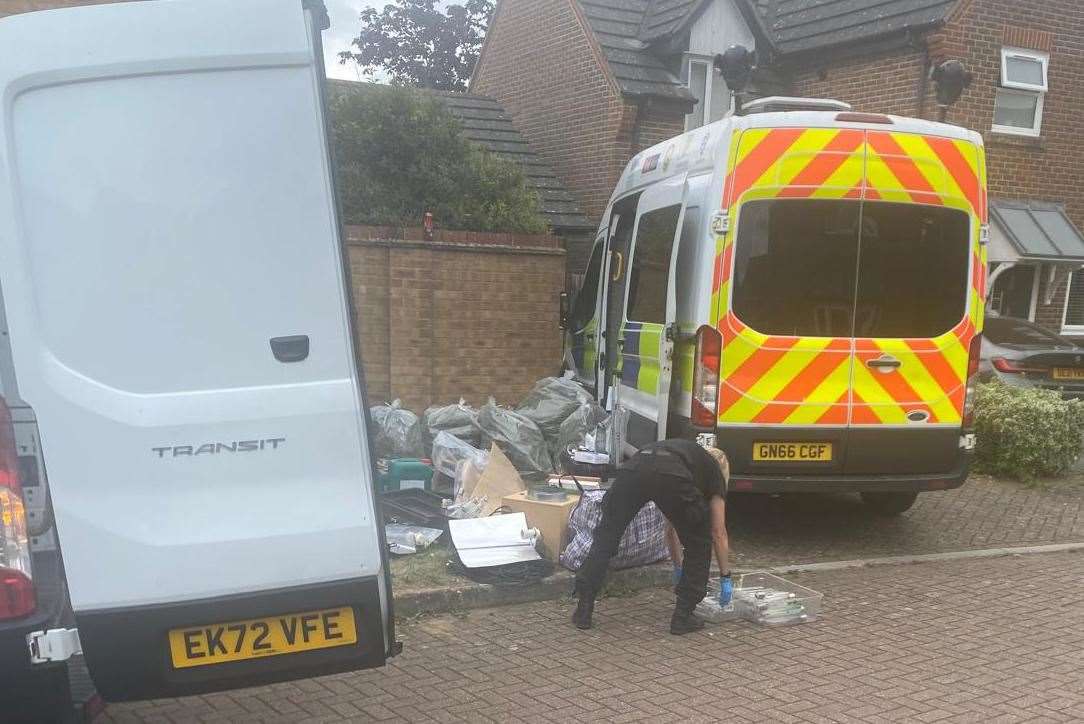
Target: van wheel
{"points": [[889, 504]]}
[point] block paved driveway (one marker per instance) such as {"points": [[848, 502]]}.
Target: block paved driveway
{"points": [[984, 513], [990, 639]]}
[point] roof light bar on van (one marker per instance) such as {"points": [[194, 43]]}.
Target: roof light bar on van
{"points": [[16, 583], [709, 351], [863, 118]]}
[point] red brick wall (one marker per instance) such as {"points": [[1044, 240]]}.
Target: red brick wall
{"points": [[542, 62], [444, 319], [885, 83], [1050, 167]]}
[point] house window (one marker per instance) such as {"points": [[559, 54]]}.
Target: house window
{"points": [[1073, 320], [698, 73], [1018, 104]]}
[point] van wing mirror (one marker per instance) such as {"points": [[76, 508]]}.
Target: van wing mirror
{"points": [[565, 306]]}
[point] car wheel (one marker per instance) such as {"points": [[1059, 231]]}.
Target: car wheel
{"points": [[889, 503]]}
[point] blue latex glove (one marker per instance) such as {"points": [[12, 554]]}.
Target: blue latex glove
{"points": [[677, 575], [726, 591]]}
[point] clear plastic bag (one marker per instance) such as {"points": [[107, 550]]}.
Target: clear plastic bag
{"points": [[550, 403], [578, 431], [457, 420], [518, 437], [710, 610], [398, 431], [449, 451], [407, 539]]}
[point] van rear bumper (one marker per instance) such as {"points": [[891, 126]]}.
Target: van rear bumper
{"points": [[127, 650], [807, 483]]}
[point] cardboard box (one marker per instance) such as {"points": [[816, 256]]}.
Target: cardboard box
{"points": [[551, 519], [568, 482]]}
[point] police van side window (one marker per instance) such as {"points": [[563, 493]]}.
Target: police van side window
{"points": [[650, 271], [587, 298]]}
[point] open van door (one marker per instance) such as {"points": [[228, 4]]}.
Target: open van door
{"points": [[642, 380], [172, 271]]}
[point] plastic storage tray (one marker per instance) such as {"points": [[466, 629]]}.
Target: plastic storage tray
{"points": [[414, 507], [769, 600]]}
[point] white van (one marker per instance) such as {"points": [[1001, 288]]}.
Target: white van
{"points": [[806, 284], [180, 324]]}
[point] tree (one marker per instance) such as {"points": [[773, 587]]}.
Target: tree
{"points": [[419, 45], [400, 153]]}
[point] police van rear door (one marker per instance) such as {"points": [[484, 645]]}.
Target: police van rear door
{"points": [[646, 344], [172, 274]]}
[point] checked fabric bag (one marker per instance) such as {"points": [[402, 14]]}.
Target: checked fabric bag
{"points": [[644, 540]]}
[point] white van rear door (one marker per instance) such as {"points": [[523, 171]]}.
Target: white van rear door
{"points": [[180, 323]]}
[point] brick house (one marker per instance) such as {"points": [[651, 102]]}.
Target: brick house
{"points": [[592, 82]]}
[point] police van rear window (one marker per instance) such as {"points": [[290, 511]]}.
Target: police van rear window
{"points": [[837, 268]]}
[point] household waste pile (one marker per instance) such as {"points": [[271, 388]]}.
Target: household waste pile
{"points": [[494, 451], [557, 417]]}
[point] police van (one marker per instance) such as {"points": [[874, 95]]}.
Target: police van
{"points": [[805, 283], [180, 332]]}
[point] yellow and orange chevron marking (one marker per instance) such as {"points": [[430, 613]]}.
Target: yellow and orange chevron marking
{"points": [[824, 381]]}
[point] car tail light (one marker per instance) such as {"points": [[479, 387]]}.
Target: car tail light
{"points": [[973, 353], [1013, 367], [16, 583], [709, 350]]}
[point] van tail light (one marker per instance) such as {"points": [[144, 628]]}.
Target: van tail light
{"points": [[972, 377], [1013, 367], [709, 351], [16, 582]]}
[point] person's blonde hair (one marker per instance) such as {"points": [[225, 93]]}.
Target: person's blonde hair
{"points": [[724, 463]]}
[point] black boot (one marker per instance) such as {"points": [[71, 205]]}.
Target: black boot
{"points": [[585, 606], [684, 622]]}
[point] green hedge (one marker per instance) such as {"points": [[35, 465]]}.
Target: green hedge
{"points": [[1026, 433], [400, 153]]}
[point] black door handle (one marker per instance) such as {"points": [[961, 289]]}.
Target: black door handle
{"points": [[290, 349], [884, 362]]}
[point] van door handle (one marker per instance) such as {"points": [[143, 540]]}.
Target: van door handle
{"points": [[290, 349], [885, 362]]}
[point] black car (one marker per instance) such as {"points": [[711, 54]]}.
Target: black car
{"points": [[1021, 353]]}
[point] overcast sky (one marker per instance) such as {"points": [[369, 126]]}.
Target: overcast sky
{"points": [[344, 26]]}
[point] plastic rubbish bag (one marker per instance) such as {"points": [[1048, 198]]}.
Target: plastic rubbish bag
{"points": [[468, 508], [449, 450], [457, 419], [398, 431], [518, 437], [407, 539], [579, 429], [550, 402]]}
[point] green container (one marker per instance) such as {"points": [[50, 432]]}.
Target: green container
{"points": [[405, 474]]}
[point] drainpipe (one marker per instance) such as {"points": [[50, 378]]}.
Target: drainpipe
{"points": [[923, 82]]}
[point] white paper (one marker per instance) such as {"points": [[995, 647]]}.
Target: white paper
{"points": [[494, 540]]}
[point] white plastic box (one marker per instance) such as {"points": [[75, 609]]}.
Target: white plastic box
{"points": [[769, 600]]}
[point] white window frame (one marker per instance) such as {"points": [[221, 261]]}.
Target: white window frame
{"points": [[1030, 90], [1074, 329], [704, 109], [1035, 55]]}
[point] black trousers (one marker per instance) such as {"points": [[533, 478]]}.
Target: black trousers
{"points": [[682, 504]]}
